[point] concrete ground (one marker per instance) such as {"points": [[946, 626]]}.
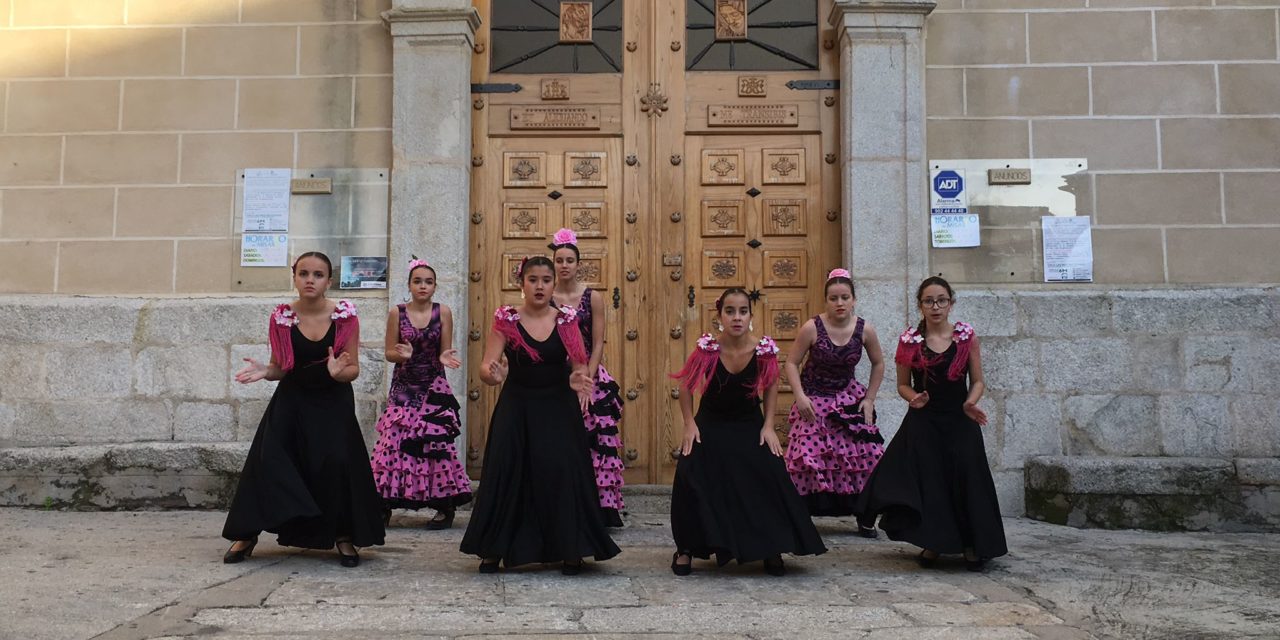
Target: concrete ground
{"points": [[160, 575]]}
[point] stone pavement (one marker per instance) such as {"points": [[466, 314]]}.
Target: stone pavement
{"points": [[129, 575]]}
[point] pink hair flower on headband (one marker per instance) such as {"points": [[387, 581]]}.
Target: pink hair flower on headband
{"points": [[565, 236], [417, 262], [839, 272]]}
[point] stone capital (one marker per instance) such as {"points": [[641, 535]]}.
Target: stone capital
{"points": [[879, 15], [432, 18]]}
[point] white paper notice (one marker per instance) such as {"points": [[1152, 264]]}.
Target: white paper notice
{"points": [[266, 199], [264, 250], [955, 230], [1068, 249]]}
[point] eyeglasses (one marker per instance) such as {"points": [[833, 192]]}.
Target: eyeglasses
{"points": [[940, 303]]}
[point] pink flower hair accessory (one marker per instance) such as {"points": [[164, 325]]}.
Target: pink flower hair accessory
{"points": [[416, 262], [839, 272], [565, 236]]}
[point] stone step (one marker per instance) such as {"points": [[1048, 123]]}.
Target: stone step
{"points": [[1155, 493], [164, 475]]}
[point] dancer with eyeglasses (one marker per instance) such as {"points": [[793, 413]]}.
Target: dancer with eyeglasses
{"points": [[933, 486], [834, 444]]}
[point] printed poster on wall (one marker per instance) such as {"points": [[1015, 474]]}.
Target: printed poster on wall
{"points": [[264, 250], [266, 200], [363, 272], [1068, 248]]}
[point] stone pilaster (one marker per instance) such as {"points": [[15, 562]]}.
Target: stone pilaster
{"points": [[431, 150], [882, 151]]}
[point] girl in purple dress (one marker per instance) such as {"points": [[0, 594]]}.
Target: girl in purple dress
{"points": [[415, 463], [834, 443], [605, 411]]}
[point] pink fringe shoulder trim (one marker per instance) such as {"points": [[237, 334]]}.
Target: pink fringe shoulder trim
{"points": [[701, 365], [506, 322]]}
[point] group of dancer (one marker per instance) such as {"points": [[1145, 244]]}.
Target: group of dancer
{"points": [[552, 476]]}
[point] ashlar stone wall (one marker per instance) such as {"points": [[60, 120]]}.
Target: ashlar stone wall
{"points": [[1175, 104], [91, 371], [124, 121]]}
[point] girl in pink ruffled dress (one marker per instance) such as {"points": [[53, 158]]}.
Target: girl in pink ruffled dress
{"points": [[605, 411], [415, 462], [834, 443]]}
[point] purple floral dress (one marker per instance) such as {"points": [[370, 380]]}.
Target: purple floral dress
{"points": [[415, 463], [601, 418], [830, 457]]}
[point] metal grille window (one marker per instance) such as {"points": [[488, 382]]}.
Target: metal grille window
{"points": [[546, 36], [752, 35]]}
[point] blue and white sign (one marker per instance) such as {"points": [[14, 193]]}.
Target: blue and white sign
{"points": [[947, 193]]}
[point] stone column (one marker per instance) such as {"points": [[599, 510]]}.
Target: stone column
{"points": [[431, 152], [885, 219]]}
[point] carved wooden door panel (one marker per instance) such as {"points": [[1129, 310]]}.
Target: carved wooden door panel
{"points": [[646, 125]]}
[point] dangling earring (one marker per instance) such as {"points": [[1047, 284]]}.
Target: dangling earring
{"points": [[522, 294], [751, 325]]}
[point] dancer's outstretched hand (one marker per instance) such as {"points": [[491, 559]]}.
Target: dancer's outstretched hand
{"points": [[975, 413], [919, 401], [253, 372], [691, 435], [770, 437], [499, 368], [450, 359], [337, 363]]}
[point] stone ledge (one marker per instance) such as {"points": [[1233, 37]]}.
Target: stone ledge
{"points": [[1163, 494], [127, 476]]}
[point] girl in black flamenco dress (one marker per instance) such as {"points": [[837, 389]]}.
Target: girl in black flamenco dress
{"points": [[307, 478], [732, 496], [933, 487], [537, 500]]}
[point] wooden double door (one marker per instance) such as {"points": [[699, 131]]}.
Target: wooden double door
{"points": [[691, 144]]}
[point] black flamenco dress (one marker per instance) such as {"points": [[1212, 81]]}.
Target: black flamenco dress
{"points": [[933, 487], [307, 478], [731, 496], [537, 500]]}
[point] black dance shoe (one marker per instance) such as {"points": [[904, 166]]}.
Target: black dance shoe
{"points": [[926, 562], [489, 566], [345, 560], [386, 517], [681, 569], [774, 566], [868, 532], [977, 565], [571, 567], [232, 557], [442, 520]]}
